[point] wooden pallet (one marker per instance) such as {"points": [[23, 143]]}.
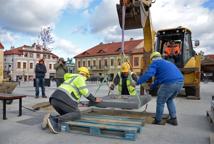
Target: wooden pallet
{"points": [[106, 126]]}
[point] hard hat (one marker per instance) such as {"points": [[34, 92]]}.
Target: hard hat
{"points": [[125, 67], [67, 76], [155, 54], [84, 70]]}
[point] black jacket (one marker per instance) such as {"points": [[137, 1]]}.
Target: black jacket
{"points": [[40, 70]]}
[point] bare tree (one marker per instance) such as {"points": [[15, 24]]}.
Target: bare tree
{"points": [[46, 36]]}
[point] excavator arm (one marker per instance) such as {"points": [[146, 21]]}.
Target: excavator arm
{"points": [[137, 15]]}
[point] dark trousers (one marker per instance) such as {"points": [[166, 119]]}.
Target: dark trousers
{"points": [[59, 81], [65, 106], [40, 82]]}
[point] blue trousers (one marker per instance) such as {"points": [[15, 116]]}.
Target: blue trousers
{"points": [[166, 94], [40, 82]]}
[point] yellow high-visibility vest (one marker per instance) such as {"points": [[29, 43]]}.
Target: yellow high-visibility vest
{"points": [[130, 88], [74, 83]]}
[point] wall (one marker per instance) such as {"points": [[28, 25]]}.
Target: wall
{"points": [[1, 65]]}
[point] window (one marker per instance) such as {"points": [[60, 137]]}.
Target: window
{"points": [[24, 65], [106, 62], [84, 63], [31, 55], [79, 64], [112, 62], [26, 54], [18, 65], [31, 65], [119, 61], [136, 61], [100, 64], [38, 55], [44, 56], [89, 63], [50, 66], [94, 62], [49, 56]]}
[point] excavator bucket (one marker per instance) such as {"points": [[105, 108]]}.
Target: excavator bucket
{"points": [[135, 16]]}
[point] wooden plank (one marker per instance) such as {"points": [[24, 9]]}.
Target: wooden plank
{"points": [[41, 105], [102, 126], [112, 120], [5, 96], [139, 127], [115, 117], [211, 138]]}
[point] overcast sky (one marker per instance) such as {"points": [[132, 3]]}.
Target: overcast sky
{"points": [[81, 24]]}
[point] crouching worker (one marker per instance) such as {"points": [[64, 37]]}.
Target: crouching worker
{"points": [[66, 97], [126, 81]]}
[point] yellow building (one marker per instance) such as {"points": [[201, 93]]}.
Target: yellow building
{"points": [[106, 58]]}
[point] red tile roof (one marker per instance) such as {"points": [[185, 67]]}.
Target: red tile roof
{"points": [[14, 51], [210, 56], [20, 50], [113, 48], [1, 46]]}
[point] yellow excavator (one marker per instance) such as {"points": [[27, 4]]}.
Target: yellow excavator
{"points": [[134, 14]]}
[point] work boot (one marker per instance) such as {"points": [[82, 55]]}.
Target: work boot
{"points": [[157, 122], [44, 96], [37, 97], [45, 121], [53, 125], [172, 121]]}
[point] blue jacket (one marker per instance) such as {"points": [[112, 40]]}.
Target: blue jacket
{"points": [[164, 72]]}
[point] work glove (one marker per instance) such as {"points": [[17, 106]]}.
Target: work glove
{"points": [[145, 86], [133, 83], [111, 87], [98, 100]]}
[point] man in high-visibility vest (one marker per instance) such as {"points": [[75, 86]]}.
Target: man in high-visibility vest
{"points": [[66, 97], [125, 80]]}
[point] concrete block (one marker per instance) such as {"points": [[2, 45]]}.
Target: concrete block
{"points": [[124, 101]]}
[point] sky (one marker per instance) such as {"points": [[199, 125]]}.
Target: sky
{"points": [[81, 24]]}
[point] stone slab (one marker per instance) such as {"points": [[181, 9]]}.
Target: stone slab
{"points": [[124, 101]]}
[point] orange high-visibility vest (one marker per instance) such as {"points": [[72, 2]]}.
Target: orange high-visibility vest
{"points": [[174, 50]]}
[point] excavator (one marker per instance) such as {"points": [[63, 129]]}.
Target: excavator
{"points": [[135, 14]]}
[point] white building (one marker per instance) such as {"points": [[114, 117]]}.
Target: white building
{"points": [[20, 62]]}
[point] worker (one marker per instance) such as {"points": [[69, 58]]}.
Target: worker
{"points": [[170, 81], [125, 80], [66, 97], [172, 51]]}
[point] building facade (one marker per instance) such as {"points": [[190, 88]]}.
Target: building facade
{"points": [[107, 58], [20, 62], [1, 62]]}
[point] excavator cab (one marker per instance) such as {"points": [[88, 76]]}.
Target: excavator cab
{"points": [[175, 45]]}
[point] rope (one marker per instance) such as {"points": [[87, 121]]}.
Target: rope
{"points": [[105, 79], [123, 27], [124, 58]]}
